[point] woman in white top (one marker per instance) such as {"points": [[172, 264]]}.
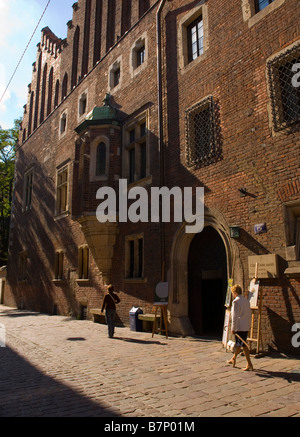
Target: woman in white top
{"points": [[241, 322]]}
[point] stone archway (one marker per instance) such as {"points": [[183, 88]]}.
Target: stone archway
{"points": [[179, 317]]}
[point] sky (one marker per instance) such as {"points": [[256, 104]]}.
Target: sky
{"points": [[18, 20]]}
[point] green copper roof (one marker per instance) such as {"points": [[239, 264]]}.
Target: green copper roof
{"points": [[105, 114]]}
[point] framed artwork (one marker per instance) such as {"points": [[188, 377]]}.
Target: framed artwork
{"points": [[228, 294], [253, 293]]}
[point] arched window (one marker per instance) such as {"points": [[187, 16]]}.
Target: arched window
{"points": [[43, 97], [64, 89], [97, 34], [86, 39], [144, 5], [101, 160], [30, 112], [56, 94]]}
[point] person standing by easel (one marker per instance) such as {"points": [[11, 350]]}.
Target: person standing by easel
{"points": [[109, 304], [241, 322]]}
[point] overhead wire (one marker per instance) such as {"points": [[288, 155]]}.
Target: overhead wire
{"points": [[22, 56]]}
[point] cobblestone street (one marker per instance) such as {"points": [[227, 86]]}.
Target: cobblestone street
{"points": [[56, 366]]}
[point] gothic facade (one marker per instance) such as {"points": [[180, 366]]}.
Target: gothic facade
{"points": [[176, 94]]}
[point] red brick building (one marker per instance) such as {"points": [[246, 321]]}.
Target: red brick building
{"points": [[163, 93]]}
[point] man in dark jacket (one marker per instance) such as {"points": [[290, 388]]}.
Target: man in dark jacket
{"points": [[109, 304]]}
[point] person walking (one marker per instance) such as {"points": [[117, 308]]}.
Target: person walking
{"points": [[241, 322], [109, 304]]}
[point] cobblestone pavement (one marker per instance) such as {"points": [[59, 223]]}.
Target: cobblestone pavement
{"points": [[56, 366]]}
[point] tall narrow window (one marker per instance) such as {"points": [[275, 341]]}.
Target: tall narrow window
{"points": [[59, 265], [37, 93], [136, 150], [98, 31], [134, 256], [50, 92], [62, 191], [63, 124], [83, 262], [56, 97], [111, 24], [101, 160], [82, 104], [30, 113], [86, 38], [75, 57], [43, 97], [64, 89], [126, 16], [195, 39], [144, 5]]}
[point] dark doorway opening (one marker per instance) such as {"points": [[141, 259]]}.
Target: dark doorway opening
{"points": [[207, 273]]}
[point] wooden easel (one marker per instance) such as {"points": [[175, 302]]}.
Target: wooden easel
{"points": [[163, 317], [256, 310]]}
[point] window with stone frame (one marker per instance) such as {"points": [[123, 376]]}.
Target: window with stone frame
{"points": [[202, 145], [136, 163], [59, 265], [195, 37], [134, 257], [284, 88], [61, 191]]}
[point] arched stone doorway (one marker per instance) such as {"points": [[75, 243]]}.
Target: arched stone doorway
{"points": [[180, 318], [207, 282]]}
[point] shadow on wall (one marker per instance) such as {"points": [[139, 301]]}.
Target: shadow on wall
{"points": [[282, 334]]}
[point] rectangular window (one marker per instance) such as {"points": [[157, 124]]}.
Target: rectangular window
{"points": [[83, 262], [28, 190], [134, 257], [136, 151], [59, 265], [117, 74], [62, 191], [262, 4], [195, 39], [140, 56], [201, 134], [284, 88]]}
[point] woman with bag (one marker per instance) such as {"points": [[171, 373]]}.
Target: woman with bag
{"points": [[109, 304]]}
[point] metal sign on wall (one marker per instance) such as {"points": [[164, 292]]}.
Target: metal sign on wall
{"points": [[267, 266]]}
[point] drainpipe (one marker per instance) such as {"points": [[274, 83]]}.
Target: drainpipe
{"points": [[160, 131]]}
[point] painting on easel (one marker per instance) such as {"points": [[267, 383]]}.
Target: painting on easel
{"points": [[253, 293]]}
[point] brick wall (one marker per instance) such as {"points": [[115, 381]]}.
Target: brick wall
{"points": [[233, 70]]}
